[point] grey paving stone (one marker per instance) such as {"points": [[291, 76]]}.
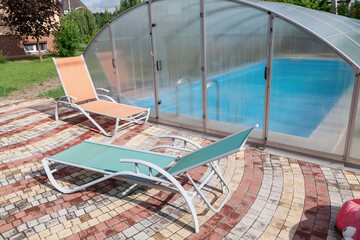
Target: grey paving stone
{"points": [[10, 233], [79, 213], [44, 219], [52, 223], [149, 231], [139, 227], [54, 215], [35, 203], [9, 207], [40, 228], [18, 236], [156, 227], [154, 218], [52, 198], [252, 233], [22, 227], [90, 208], [62, 219], [240, 229], [231, 236], [131, 231], [28, 232], [145, 223], [141, 236], [32, 223], [260, 225]]}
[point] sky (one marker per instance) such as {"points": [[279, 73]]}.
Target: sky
{"points": [[101, 5]]}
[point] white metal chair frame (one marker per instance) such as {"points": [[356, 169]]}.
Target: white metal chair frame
{"points": [[163, 179], [140, 118], [153, 181], [66, 100]]}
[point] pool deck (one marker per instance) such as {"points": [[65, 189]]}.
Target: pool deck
{"points": [[273, 197]]}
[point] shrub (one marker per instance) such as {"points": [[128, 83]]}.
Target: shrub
{"points": [[67, 38], [2, 57], [355, 10], [352, 11], [343, 9]]}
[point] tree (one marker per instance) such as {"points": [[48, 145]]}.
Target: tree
{"points": [[85, 20], [126, 4], [67, 38], [31, 18], [313, 4], [103, 18]]}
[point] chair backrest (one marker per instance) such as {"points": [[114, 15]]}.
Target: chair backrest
{"points": [[75, 78], [214, 151]]}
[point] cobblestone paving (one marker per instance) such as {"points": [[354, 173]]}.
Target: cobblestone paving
{"points": [[273, 197]]}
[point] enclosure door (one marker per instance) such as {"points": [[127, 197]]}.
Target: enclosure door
{"points": [[236, 43], [177, 51]]}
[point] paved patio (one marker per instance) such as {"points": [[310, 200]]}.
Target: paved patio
{"points": [[273, 197]]}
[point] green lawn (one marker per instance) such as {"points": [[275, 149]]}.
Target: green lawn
{"points": [[17, 74]]}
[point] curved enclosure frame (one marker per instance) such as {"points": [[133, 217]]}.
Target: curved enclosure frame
{"points": [[220, 66]]}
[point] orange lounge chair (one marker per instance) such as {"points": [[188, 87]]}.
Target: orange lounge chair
{"points": [[81, 94]]}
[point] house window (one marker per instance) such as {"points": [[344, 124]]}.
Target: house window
{"points": [[32, 48]]}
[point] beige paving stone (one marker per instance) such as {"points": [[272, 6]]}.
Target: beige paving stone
{"points": [[175, 237], [35, 237], [166, 233], [104, 217], [56, 228], [95, 213], [65, 233], [84, 226], [53, 237], [44, 234], [267, 236], [75, 229], [184, 233], [174, 227]]}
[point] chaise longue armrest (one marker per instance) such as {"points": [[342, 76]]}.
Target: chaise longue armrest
{"points": [[172, 146], [105, 96], [69, 98]]}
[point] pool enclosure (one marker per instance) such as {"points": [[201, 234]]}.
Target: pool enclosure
{"points": [[220, 66]]}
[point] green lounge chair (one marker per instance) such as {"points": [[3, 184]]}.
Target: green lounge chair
{"points": [[150, 168]]}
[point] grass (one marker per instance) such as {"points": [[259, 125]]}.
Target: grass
{"points": [[55, 93], [17, 74], [20, 73]]}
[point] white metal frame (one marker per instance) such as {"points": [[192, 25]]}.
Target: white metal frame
{"points": [[163, 181], [66, 100]]}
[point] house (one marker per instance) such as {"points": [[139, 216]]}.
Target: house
{"points": [[71, 4], [12, 47]]}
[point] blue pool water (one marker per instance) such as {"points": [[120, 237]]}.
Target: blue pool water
{"points": [[303, 91]]}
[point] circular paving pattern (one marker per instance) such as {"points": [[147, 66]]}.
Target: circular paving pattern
{"points": [[273, 197]]}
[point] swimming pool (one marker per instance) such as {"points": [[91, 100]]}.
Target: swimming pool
{"points": [[303, 92]]}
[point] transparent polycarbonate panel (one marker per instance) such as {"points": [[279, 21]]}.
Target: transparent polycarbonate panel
{"points": [[348, 46], [100, 44], [236, 38], [177, 53], [321, 24], [355, 143], [132, 48], [311, 90]]}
